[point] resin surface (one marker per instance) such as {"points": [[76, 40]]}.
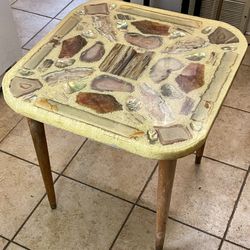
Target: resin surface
{"points": [[145, 80]]}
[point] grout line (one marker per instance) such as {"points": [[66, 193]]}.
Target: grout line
{"points": [[236, 244], [234, 208], [14, 2], [13, 242], [11, 130], [98, 189], [25, 44], [19, 158], [181, 222], [1, 236], [238, 109], [225, 163], [63, 9], [40, 201], [132, 208], [31, 12]]}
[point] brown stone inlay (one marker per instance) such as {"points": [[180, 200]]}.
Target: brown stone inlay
{"points": [[146, 42], [99, 102], [192, 77], [72, 46], [149, 27], [222, 36], [94, 9]]}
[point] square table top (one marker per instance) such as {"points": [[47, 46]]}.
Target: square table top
{"points": [[146, 80]]}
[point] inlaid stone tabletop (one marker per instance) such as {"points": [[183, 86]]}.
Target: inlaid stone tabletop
{"points": [[146, 80]]}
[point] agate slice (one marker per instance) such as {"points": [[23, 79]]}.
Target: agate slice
{"points": [[64, 62], [94, 9], [146, 42], [125, 61], [22, 86], [104, 26], [162, 69], [192, 77], [110, 83], [186, 45], [173, 134], [222, 36], [94, 53], [72, 46], [149, 27], [171, 92], [155, 105], [99, 102], [67, 75], [187, 106]]}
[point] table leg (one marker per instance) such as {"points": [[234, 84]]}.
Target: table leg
{"points": [[39, 140], [199, 154], [166, 172]]}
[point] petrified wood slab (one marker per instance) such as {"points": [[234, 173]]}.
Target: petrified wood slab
{"points": [[192, 77], [109, 83], [149, 27], [125, 61], [94, 53], [222, 36], [146, 42], [72, 46], [22, 86], [99, 102]]}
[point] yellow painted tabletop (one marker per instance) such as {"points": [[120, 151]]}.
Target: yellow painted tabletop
{"points": [[145, 80]]}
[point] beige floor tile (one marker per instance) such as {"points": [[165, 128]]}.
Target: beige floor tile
{"points": [[229, 246], [84, 219], [21, 187], [239, 231], [28, 24], [14, 246], [229, 139], [3, 242], [238, 96], [46, 7], [62, 145], [111, 169], [70, 7], [203, 196], [8, 118], [42, 34], [246, 59], [138, 234]]}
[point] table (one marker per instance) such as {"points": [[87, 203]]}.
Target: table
{"points": [[145, 80]]}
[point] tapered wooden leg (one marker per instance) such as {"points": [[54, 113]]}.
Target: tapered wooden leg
{"points": [[39, 139], [166, 172], [199, 154]]}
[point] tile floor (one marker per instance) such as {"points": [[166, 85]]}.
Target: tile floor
{"points": [[106, 199]]}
